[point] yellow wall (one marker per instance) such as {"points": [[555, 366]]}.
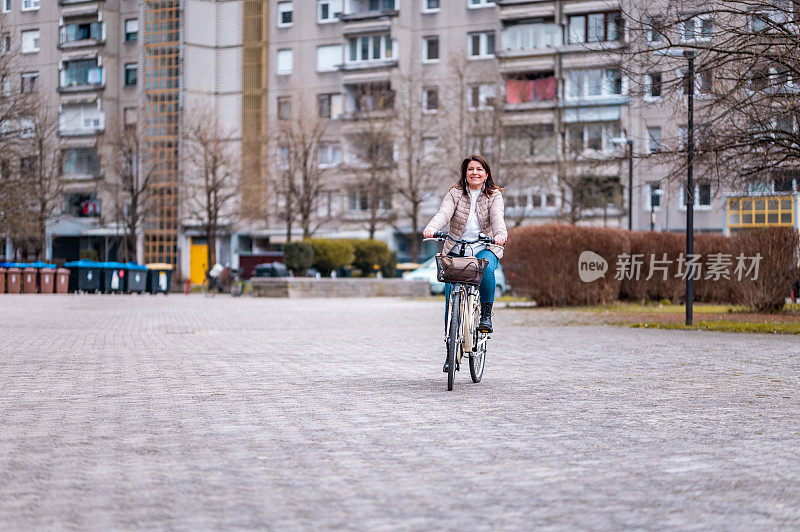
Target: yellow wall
{"points": [[198, 264]]}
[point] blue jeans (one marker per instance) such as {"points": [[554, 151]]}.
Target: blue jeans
{"points": [[488, 283]]}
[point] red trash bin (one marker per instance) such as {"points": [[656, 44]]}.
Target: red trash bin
{"points": [[46, 278], [29, 280], [2, 280], [13, 278], [62, 281]]}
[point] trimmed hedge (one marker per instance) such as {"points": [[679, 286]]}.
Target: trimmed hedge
{"points": [[541, 262], [298, 256], [331, 254]]}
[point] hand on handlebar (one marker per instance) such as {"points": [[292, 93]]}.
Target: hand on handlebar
{"points": [[427, 233], [500, 241]]}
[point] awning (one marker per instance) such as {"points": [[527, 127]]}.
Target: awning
{"points": [[78, 54], [77, 11], [605, 113], [75, 99]]}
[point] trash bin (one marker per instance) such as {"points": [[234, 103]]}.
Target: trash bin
{"points": [[47, 273], [136, 278], [62, 281], [113, 277], [271, 269], [13, 278], [29, 275], [159, 277], [84, 276], [2, 280]]}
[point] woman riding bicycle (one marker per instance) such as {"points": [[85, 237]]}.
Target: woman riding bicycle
{"points": [[472, 206]]}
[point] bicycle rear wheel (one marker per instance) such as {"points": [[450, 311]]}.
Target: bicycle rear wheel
{"points": [[453, 340], [237, 288]]}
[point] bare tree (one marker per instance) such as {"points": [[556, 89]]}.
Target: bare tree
{"points": [[417, 143], [211, 174], [130, 188], [746, 72], [373, 145], [302, 175]]}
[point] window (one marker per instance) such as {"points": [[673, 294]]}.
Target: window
{"points": [[430, 6], [131, 72], [654, 192], [702, 196], [654, 85], [131, 30], [285, 62], [329, 154], [703, 81], [595, 136], [480, 96], [283, 157], [594, 83], [653, 139], [6, 6], [329, 57], [30, 82], [430, 99], [529, 36], [378, 47], [284, 107], [329, 105], [80, 119], [655, 32], [328, 11], [81, 72], [359, 198], [80, 161], [476, 4], [430, 53], [285, 14], [785, 180], [30, 5], [30, 41], [596, 27], [129, 116], [699, 27], [5, 43], [430, 145], [81, 32], [5, 85], [480, 45]]}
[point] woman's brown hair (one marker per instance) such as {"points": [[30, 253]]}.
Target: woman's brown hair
{"points": [[489, 185]]}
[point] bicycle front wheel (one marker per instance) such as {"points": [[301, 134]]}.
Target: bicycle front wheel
{"points": [[453, 340], [237, 288], [477, 360]]}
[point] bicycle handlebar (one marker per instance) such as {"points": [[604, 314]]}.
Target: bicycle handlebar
{"points": [[440, 235]]}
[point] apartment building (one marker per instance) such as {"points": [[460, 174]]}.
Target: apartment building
{"points": [[81, 61]]}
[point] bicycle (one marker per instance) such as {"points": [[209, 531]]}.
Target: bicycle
{"points": [[464, 273], [228, 280]]}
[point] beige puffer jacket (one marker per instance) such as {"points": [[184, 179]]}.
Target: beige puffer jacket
{"points": [[455, 210]]}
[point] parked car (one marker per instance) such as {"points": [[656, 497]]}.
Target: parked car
{"points": [[271, 269], [427, 272]]}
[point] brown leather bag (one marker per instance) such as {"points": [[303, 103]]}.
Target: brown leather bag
{"points": [[468, 270]]}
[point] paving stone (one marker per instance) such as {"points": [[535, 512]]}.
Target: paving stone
{"points": [[187, 412]]}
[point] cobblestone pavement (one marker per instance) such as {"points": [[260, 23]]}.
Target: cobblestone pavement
{"points": [[192, 413]]}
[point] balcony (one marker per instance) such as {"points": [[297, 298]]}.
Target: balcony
{"points": [[81, 121], [75, 2], [81, 35], [526, 39], [531, 91], [369, 10], [526, 9], [80, 164], [79, 76]]}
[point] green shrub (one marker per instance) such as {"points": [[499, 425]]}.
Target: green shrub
{"points": [[88, 254], [371, 256], [330, 255], [389, 268], [298, 256]]}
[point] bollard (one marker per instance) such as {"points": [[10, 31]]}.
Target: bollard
{"points": [[188, 284]]}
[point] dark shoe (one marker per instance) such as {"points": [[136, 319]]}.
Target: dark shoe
{"points": [[446, 367], [486, 318]]}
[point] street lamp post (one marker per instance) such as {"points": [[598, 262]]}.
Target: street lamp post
{"points": [[689, 55]]}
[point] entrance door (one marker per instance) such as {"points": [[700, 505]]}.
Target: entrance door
{"points": [[198, 260]]}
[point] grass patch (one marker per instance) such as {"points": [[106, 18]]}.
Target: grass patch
{"points": [[727, 326], [636, 308]]}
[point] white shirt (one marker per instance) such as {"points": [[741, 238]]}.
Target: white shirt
{"points": [[473, 227]]}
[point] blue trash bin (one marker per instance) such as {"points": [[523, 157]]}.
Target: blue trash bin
{"points": [[84, 275], [136, 278]]}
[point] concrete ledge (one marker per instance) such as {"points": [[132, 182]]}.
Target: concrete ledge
{"points": [[347, 287]]}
